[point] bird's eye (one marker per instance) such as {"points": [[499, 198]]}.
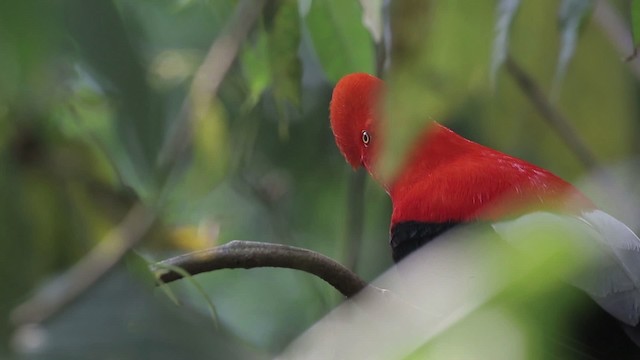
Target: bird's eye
{"points": [[365, 137]]}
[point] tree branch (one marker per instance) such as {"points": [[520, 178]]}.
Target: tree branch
{"points": [[239, 254], [554, 118], [61, 291]]}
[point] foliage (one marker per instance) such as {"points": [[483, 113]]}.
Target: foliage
{"points": [[98, 113]]}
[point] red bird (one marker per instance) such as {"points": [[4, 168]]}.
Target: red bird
{"points": [[448, 180]]}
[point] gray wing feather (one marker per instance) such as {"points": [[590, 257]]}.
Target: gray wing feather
{"points": [[617, 286], [611, 274]]}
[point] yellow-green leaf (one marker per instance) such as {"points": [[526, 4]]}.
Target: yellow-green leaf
{"points": [[209, 153], [255, 67]]}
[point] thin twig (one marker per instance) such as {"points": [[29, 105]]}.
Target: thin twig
{"points": [[553, 117], [249, 254], [210, 75], [63, 290], [618, 32]]}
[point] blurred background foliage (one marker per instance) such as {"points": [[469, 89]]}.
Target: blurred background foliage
{"points": [[101, 108]]}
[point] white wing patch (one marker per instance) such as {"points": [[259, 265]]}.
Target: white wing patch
{"points": [[611, 275], [621, 268]]}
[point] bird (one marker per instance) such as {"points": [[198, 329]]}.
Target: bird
{"points": [[447, 181]]}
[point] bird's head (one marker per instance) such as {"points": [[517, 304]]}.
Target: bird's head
{"points": [[352, 112]]}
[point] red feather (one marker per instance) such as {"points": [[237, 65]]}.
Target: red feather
{"points": [[446, 177], [352, 110], [458, 180]]}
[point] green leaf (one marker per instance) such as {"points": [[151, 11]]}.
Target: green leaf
{"points": [[571, 16], [206, 163], [432, 71], [283, 41], [196, 285], [104, 42], [29, 36], [506, 12], [133, 324], [255, 67], [138, 266], [283, 29], [408, 83], [343, 44]]}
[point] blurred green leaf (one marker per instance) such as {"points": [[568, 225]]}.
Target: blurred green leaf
{"points": [[282, 24], [19, 221], [432, 71], [106, 45], [341, 42], [29, 36], [121, 319], [283, 40], [411, 27], [186, 276], [207, 161], [255, 66], [138, 266], [571, 17], [271, 325], [59, 201], [482, 335], [506, 12]]}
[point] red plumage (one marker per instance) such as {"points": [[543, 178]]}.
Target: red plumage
{"points": [[445, 177], [459, 180], [352, 110]]}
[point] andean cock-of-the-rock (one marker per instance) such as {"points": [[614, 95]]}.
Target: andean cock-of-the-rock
{"points": [[447, 181]]}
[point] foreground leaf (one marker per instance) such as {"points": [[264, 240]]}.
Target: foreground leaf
{"points": [[571, 16], [506, 12]]}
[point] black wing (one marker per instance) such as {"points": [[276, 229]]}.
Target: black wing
{"points": [[409, 236]]}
